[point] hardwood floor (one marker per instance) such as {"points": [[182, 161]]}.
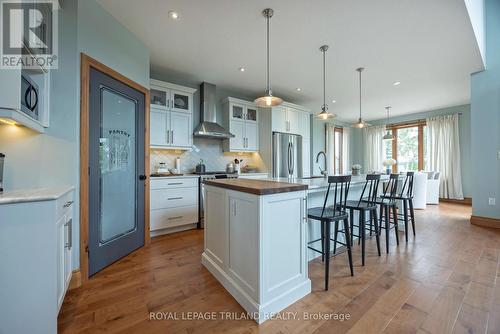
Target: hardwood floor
{"points": [[443, 281]]}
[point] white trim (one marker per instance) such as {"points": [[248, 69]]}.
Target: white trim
{"points": [[168, 85]]}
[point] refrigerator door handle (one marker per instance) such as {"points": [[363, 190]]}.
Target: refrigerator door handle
{"points": [[289, 159], [292, 152]]}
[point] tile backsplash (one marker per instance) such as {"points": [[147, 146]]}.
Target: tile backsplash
{"points": [[210, 151]]}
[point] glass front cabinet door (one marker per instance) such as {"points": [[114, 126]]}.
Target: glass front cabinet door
{"points": [[181, 101], [251, 114], [237, 112]]}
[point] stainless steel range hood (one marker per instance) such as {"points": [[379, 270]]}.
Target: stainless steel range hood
{"points": [[208, 127]]}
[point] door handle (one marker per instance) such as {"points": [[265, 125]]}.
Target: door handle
{"points": [[293, 157], [142, 177], [174, 198], [171, 136], [289, 160]]}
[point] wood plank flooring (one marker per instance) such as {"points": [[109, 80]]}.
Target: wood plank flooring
{"points": [[443, 281]]}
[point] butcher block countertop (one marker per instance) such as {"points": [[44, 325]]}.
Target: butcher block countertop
{"points": [[256, 187]]}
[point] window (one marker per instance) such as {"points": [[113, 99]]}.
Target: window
{"points": [[337, 163], [408, 147], [334, 147]]}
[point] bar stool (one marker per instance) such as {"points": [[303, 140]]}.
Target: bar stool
{"points": [[335, 213], [387, 203], [406, 197], [364, 206]]}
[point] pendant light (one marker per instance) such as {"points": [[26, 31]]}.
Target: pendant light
{"points": [[324, 114], [268, 100], [361, 123], [388, 135]]}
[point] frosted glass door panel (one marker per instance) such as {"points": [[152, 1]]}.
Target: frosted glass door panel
{"points": [[117, 164]]}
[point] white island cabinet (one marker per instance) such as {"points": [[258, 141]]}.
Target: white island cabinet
{"points": [[255, 242]]}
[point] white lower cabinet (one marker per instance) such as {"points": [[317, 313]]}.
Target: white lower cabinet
{"points": [[253, 176], [35, 258], [174, 203]]}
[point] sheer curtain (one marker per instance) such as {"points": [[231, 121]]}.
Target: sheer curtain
{"points": [[443, 150], [374, 148]]}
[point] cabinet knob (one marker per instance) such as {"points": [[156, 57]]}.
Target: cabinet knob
{"points": [[142, 177]]}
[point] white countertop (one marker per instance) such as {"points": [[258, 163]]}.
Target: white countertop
{"points": [[33, 195], [321, 183]]}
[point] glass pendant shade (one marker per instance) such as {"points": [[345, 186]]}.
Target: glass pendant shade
{"points": [[268, 100], [360, 124], [388, 136]]}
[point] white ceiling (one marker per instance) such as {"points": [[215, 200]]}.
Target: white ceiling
{"points": [[428, 45]]}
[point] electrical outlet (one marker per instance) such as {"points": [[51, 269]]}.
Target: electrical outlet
{"points": [[492, 201]]}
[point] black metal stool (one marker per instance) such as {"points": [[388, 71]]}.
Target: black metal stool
{"points": [[364, 206], [406, 197], [387, 204], [328, 214]]}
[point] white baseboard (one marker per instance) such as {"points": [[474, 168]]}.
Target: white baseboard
{"points": [[171, 230], [261, 312]]}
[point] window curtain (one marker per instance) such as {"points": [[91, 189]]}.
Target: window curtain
{"points": [[330, 147], [346, 162], [374, 148], [443, 151]]}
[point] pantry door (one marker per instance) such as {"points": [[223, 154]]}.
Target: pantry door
{"points": [[116, 170]]}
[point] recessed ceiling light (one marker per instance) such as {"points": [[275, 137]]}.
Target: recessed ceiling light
{"points": [[299, 89], [397, 83], [333, 101], [242, 69], [173, 15]]}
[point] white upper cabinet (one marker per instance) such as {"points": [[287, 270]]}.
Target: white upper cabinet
{"points": [[290, 119], [240, 118], [180, 125], [24, 97], [171, 118], [279, 119]]}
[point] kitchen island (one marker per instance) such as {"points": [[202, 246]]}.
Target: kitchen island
{"points": [[256, 235], [255, 242]]}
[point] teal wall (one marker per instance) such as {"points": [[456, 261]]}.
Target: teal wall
{"points": [[485, 120], [52, 159]]}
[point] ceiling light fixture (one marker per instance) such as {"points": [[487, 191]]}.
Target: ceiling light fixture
{"points": [[299, 89], [324, 114], [396, 83], [361, 123], [173, 15], [268, 100], [334, 101], [388, 135], [242, 69]]}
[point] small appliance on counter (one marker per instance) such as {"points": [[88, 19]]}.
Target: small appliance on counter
{"points": [[162, 168], [230, 168], [2, 158], [237, 165], [200, 167]]}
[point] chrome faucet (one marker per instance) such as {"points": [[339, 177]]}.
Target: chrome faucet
{"points": [[324, 172]]}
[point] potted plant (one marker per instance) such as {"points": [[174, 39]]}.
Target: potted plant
{"points": [[356, 168], [388, 163]]}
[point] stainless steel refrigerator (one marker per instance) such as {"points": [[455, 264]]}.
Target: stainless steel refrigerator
{"points": [[287, 155]]}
